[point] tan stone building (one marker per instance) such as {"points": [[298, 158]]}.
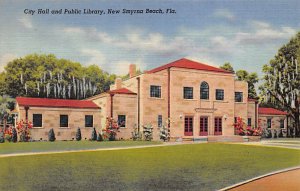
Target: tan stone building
{"points": [[64, 116], [198, 100]]}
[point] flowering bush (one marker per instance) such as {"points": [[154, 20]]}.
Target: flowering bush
{"points": [[23, 128], [148, 132], [136, 135], [242, 129], [111, 129]]}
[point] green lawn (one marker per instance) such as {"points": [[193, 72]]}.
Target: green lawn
{"points": [[10, 148], [181, 167]]}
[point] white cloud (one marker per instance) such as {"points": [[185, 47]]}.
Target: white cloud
{"points": [[95, 56], [26, 22], [122, 67], [73, 30], [224, 13], [4, 59]]}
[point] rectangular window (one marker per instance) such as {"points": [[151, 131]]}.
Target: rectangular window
{"points": [[155, 91], [218, 125], [89, 122], [203, 126], [122, 120], [37, 120], [235, 119], [219, 94], [238, 96], [188, 126], [64, 121], [269, 123], [282, 123], [249, 122], [159, 121], [187, 92]]}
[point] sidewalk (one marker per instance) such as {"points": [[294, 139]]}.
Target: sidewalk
{"points": [[289, 180]]}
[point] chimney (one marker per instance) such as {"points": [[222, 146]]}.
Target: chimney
{"points": [[118, 83], [132, 70]]}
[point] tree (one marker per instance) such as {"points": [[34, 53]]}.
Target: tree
{"points": [[47, 76], [99, 138], [282, 80], [78, 134], [14, 137], [227, 66], [94, 135], [6, 104], [51, 135], [251, 79], [2, 140]]}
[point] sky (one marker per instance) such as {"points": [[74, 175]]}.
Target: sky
{"points": [[245, 33]]}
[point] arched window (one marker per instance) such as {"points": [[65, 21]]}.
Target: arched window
{"points": [[204, 90]]}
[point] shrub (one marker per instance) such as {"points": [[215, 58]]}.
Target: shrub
{"points": [[51, 135], [148, 132], [99, 138], [2, 140], [111, 129], [280, 133], [275, 133], [269, 133], [94, 135], [136, 135], [164, 133], [78, 134], [24, 130], [14, 137]]}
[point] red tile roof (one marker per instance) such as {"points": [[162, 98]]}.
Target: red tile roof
{"points": [[251, 99], [270, 111], [46, 102], [189, 64], [121, 91]]}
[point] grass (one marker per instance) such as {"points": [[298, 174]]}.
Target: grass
{"points": [[11, 148], [180, 167]]}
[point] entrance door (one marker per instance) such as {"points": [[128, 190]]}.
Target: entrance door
{"points": [[218, 125], [188, 126], [203, 126]]}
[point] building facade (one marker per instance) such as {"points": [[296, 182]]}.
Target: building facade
{"points": [[191, 99]]}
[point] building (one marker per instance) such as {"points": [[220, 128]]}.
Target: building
{"points": [[64, 116], [192, 99]]}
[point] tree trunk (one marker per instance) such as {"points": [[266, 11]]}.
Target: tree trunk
{"points": [[297, 125]]}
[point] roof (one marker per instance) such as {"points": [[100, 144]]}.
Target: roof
{"points": [[65, 103], [121, 91], [252, 99], [189, 64], [270, 111]]}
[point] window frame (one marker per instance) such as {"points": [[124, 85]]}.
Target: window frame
{"points": [[241, 98], [60, 121], [222, 94], [281, 125], [85, 120], [123, 125], [218, 126], [188, 125], [204, 90], [188, 92], [269, 123], [249, 120], [33, 124], [155, 93]]}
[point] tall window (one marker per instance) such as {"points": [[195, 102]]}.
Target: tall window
{"points": [[122, 120], [155, 91], [188, 126], [37, 120], [281, 123], [188, 92], [159, 121], [269, 122], [64, 120], [218, 125], [204, 90], [249, 122], [89, 122], [219, 94], [238, 96]]}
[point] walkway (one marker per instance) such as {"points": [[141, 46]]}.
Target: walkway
{"points": [[289, 180]]}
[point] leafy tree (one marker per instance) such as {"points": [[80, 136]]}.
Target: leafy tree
{"points": [[14, 137], [227, 66], [94, 135], [47, 76], [100, 137], [78, 134], [2, 140], [6, 104], [282, 80], [51, 135], [251, 79]]}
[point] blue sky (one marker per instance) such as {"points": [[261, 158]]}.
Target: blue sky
{"points": [[245, 33]]}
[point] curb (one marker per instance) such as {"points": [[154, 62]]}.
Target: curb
{"points": [[259, 177]]}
